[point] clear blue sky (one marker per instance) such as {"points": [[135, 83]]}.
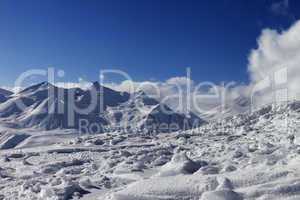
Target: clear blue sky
{"points": [[146, 38]]}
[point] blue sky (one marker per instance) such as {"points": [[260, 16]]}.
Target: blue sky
{"points": [[149, 39]]}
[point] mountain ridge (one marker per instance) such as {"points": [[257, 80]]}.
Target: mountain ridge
{"points": [[47, 106]]}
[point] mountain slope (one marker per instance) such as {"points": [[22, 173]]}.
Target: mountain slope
{"points": [[4, 94], [142, 113], [47, 107]]}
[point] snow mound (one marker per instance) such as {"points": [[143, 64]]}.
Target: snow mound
{"points": [[180, 164], [159, 188], [221, 195]]}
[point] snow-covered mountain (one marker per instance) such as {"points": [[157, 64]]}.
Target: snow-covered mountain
{"points": [[5, 92], [48, 107], [141, 112], [4, 95]]}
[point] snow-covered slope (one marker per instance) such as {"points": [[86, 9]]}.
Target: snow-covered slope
{"points": [[4, 95], [5, 92], [239, 105], [242, 157]]}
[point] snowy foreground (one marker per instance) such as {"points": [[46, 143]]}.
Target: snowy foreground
{"points": [[254, 156]]}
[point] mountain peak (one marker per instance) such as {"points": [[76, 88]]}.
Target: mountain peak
{"points": [[96, 83], [42, 85]]}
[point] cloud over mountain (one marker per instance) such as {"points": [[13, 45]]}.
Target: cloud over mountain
{"points": [[276, 61], [273, 68]]}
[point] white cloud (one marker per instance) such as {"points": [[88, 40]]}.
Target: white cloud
{"points": [[179, 81], [175, 93], [274, 71], [277, 58], [82, 85]]}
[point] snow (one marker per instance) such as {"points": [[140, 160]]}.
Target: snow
{"points": [[180, 164], [13, 140], [242, 157]]}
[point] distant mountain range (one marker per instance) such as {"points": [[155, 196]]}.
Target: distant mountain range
{"points": [[47, 107]]}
